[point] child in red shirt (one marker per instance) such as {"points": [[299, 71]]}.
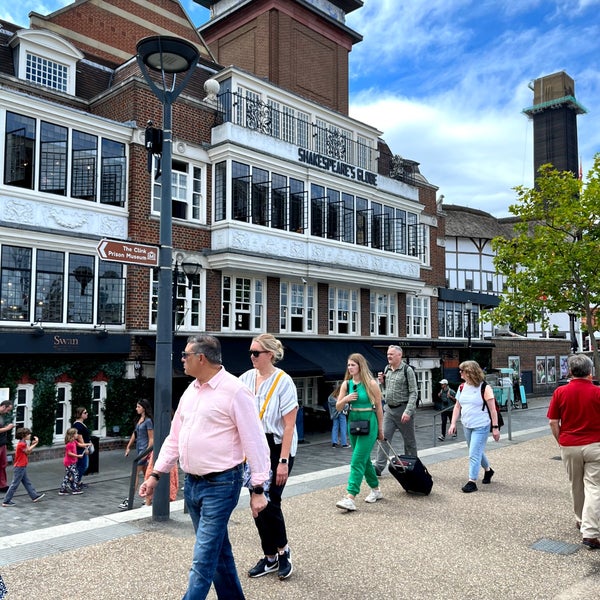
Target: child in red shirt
{"points": [[22, 453], [71, 480]]}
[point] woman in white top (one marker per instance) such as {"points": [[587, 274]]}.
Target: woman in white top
{"points": [[277, 404], [477, 422]]}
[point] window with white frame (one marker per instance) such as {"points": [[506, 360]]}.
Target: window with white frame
{"points": [[46, 72], [23, 405], [424, 385], [297, 307], [307, 391], [63, 411], [417, 316], [243, 304], [98, 403], [187, 301], [187, 191], [383, 314], [343, 311]]}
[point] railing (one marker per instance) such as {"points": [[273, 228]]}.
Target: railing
{"points": [[322, 138]]}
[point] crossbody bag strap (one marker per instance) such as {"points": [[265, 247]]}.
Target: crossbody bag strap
{"points": [[269, 394]]}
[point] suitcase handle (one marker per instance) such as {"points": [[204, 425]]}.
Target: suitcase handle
{"points": [[386, 447]]}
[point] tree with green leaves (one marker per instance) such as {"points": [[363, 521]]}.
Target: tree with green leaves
{"points": [[552, 263]]}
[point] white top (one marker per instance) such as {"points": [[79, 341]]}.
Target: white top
{"points": [[283, 400], [471, 404]]}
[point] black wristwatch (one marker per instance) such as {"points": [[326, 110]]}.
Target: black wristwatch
{"points": [[283, 461], [495, 427], [257, 489]]}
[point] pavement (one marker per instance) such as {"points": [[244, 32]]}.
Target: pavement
{"points": [[515, 538]]}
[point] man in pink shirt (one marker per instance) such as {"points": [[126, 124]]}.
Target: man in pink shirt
{"points": [[574, 415], [215, 428]]}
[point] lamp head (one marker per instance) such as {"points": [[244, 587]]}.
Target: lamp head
{"points": [[167, 54]]}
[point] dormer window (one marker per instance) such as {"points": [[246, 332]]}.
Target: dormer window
{"points": [[46, 59], [46, 72]]}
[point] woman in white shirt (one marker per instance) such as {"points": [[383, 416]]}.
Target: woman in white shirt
{"points": [[477, 422]]}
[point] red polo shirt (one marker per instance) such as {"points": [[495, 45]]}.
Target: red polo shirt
{"points": [[577, 407]]}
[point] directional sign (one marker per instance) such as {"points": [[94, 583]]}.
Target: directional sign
{"points": [[128, 252]]}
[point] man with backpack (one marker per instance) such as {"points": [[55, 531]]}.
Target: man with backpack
{"points": [[399, 386]]}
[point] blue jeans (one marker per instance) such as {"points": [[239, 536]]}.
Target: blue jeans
{"points": [[20, 476], [339, 430], [210, 501], [82, 463], [476, 440]]}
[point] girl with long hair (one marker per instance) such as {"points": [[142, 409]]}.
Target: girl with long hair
{"points": [[361, 391]]}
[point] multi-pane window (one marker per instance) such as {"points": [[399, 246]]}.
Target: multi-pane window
{"points": [[46, 72], [453, 320], [270, 199], [53, 159], [343, 311], [297, 308], [98, 402], [23, 405], [383, 314], [19, 157], [243, 304], [417, 316], [67, 287], [186, 192], [63, 411], [63, 162], [187, 301]]}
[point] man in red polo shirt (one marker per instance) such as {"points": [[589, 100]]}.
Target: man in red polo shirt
{"points": [[574, 414]]}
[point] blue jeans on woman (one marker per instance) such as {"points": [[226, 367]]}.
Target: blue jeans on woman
{"points": [[210, 501], [339, 430], [476, 440]]}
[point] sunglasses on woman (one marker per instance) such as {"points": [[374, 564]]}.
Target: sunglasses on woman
{"points": [[257, 353]]}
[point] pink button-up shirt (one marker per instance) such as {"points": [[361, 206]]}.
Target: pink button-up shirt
{"points": [[216, 427]]}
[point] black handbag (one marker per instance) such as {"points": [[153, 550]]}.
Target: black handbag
{"points": [[360, 427]]}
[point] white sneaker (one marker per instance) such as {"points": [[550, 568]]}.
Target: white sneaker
{"points": [[374, 496], [346, 504]]}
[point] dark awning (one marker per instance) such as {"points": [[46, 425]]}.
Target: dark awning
{"points": [[332, 355]]}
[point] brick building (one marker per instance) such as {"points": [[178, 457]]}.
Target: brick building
{"points": [[288, 215]]}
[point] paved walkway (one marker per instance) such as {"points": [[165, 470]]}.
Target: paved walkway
{"points": [[514, 538]]}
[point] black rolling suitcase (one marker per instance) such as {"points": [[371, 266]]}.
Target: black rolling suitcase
{"points": [[409, 471]]}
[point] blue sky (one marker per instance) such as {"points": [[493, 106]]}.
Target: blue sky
{"points": [[446, 81]]}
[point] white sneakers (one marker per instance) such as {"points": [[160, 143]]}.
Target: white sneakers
{"points": [[346, 504], [374, 496]]}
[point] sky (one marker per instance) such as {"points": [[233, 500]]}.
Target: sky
{"points": [[446, 82]]}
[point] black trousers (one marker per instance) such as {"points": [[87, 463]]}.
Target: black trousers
{"points": [[270, 522], [446, 416]]}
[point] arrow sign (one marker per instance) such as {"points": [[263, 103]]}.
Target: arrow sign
{"points": [[128, 252]]}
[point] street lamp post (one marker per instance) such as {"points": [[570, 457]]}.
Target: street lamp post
{"points": [[469, 309], [168, 56]]}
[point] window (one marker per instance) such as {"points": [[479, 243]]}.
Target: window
{"points": [[260, 196], [317, 210], [220, 191], [46, 72], [97, 424], [19, 148], [186, 192], [243, 304], [67, 161], [240, 175], [187, 302], [279, 201], [53, 159], [452, 320], [65, 286], [62, 418], [417, 316], [343, 311], [297, 308], [383, 315], [85, 156], [23, 405], [297, 206], [113, 173]]}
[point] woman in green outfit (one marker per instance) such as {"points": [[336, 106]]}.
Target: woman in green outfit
{"points": [[361, 391]]}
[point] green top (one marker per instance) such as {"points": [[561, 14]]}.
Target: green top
{"points": [[361, 402]]}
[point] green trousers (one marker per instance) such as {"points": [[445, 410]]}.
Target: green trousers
{"points": [[360, 464]]}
